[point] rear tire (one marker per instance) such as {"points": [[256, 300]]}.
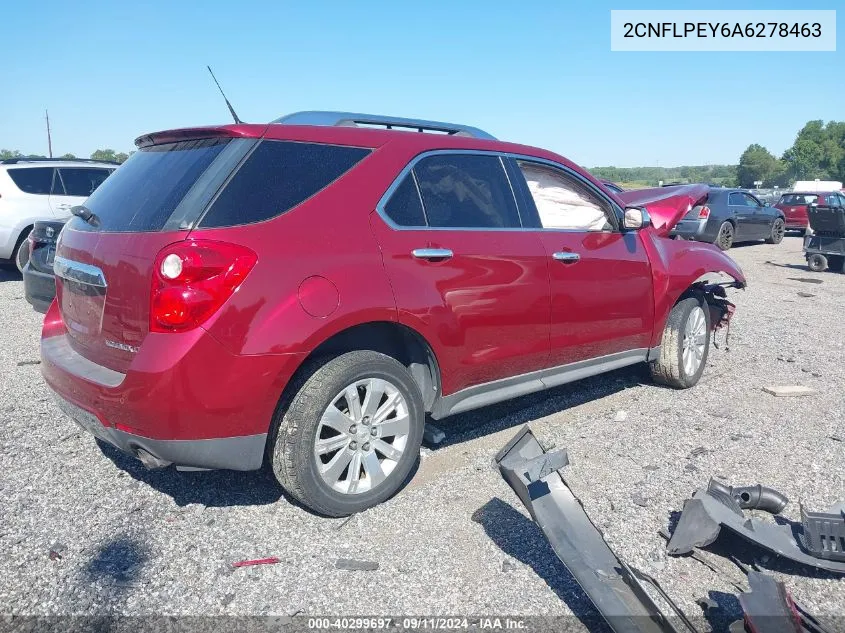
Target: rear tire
{"points": [[725, 235], [685, 345], [817, 262], [21, 255], [778, 231], [324, 434]]}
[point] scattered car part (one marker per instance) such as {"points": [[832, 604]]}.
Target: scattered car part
{"points": [[769, 608], [616, 589], [753, 497], [257, 561], [710, 509], [824, 533]]}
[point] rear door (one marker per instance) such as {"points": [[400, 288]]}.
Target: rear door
{"points": [[601, 284], [464, 271]]}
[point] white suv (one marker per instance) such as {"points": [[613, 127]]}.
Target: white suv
{"points": [[34, 189]]}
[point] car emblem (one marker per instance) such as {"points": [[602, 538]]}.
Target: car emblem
{"points": [[50, 231], [121, 346]]}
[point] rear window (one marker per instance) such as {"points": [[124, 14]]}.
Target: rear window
{"points": [[144, 192], [37, 180], [796, 199], [82, 181], [278, 176], [404, 206]]}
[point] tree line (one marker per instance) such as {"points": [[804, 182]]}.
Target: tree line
{"points": [[818, 152], [100, 154]]}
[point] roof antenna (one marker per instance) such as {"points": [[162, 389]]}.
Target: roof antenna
{"points": [[231, 109]]}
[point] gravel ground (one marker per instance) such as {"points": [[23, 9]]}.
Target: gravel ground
{"points": [[456, 541]]}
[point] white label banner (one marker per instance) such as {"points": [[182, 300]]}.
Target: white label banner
{"points": [[711, 30]]}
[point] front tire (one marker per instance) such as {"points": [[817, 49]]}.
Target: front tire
{"points": [[778, 231], [685, 345], [351, 434], [21, 254], [725, 236]]}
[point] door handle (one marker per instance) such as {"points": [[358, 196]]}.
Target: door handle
{"points": [[566, 258], [432, 253]]}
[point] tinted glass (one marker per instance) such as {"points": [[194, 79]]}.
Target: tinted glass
{"points": [[563, 202], [276, 177], [58, 186], [797, 199], [404, 206], [36, 180], [82, 181], [142, 194], [466, 191]]}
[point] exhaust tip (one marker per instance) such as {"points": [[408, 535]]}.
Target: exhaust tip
{"points": [[149, 460]]}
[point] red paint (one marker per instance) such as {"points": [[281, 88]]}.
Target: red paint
{"points": [[501, 306], [257, 561]]}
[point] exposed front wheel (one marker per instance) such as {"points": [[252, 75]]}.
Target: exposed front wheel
{"points": [[725, 236], [778, 231], [685, 345], [817, 262], [351, 434]]}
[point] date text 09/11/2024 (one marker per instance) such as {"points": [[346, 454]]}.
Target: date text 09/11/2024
{"points": [[416, 623], [721, 29]]}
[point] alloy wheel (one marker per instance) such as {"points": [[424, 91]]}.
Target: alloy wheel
{"points": [[726, 236], [695, 339], [778, 231], [362, 436]]}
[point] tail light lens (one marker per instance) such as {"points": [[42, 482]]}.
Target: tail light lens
{"points": [[703, 212], [193, 279]]}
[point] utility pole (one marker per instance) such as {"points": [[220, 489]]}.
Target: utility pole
{"points": [[49, 138]]}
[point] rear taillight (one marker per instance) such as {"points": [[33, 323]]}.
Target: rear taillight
{"points": [[192, 279], [703, 212]]}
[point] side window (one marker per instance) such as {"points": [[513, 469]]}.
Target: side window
{"points": [[58, 188], [466, 191], [751, 201], [404, 206], [278, 176], [82, 181], [36, 180], [564, 203], [736, 200]]}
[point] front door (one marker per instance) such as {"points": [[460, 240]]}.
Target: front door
{"points": [[601, 284], [465, 273]]}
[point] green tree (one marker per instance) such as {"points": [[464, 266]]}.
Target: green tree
{"points": [[10, 153], [68, 155], [109, 155], [758, 164], [818, 152]]}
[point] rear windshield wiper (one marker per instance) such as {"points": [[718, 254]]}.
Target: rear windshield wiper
{"points": [[83, 212]]}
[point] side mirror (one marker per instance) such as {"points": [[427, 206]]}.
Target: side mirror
{"points": [[636, 218]]}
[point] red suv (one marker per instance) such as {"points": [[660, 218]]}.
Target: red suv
{"points": [[794, 206], [303, 293]]}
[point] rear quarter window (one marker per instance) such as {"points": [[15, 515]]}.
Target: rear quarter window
{"points": [[82, 181], [276, 177], [34, 180]]}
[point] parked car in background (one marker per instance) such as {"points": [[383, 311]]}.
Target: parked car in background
{"points": [[794, 206], [612, 186], [727, 216], [305, 292], [33, 189], [38, 280]]}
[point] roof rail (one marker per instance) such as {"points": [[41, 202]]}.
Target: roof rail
{"points": [[355, 119], [41, 159]]}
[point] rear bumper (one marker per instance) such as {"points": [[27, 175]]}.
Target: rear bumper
{"points": [[184, 400], [39, 288], [689, 229], [234, 453]]}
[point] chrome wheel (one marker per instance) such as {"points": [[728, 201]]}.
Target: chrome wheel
{"points": [[695, 339], [361, 436]]}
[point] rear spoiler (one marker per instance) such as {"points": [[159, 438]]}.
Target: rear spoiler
{"points": [[191, 133], [666, 205]]}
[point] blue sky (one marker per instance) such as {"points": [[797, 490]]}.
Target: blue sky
{"points": [[538, 72]]}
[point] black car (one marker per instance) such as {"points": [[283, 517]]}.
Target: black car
{"points": [[38, 281], [729, 216]]}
